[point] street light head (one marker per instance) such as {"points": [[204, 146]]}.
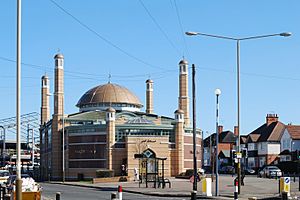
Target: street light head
{"points": [[217, 91], [190, 33], [286, 34]]}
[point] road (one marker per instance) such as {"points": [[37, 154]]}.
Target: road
{"points": [[83, 193]]}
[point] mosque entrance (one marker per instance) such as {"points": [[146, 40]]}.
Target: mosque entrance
{"points": [[150, 161], [151, 168]]}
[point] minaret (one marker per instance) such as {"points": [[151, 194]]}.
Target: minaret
{"points": [[179, 140], [149, 96], [110, 134], [57, 117], [183, 99], [59, 85], [45, 108]]}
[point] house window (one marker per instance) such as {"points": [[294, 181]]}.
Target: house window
{"points": [[262, 161], [286, 144]]}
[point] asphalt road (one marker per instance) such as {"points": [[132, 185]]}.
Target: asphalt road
{"points": [[83, 193]]}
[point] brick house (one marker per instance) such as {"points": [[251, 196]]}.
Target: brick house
{"points": [[264, 142], [227, 140], [290, 143]]}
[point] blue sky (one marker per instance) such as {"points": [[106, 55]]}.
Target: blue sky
{"points": [[134, 40]]}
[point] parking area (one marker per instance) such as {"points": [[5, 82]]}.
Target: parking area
{"points": [[254, 186]]}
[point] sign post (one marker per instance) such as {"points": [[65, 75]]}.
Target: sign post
{"points": [[285, 185]]}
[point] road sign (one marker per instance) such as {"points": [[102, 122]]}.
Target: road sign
{"points": [[287, 180], [285, 184]]}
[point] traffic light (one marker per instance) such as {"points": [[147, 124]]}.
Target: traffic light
{"points": [[244, 153], [233, 154]]}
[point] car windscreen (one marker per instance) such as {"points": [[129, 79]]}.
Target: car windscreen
{"points": [[2, 174], [273, 168]]}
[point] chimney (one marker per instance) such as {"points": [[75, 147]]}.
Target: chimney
{"points": [[271, 118], [236, 130], [220, 129], [149, 96]]}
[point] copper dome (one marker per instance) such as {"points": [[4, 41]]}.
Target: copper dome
{"points": [[108, 94]]}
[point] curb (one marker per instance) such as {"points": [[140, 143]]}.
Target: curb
{"points": [[109, 188], [134, 192]]}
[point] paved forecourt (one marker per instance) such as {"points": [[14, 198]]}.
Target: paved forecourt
{"points": [[254, 187]]}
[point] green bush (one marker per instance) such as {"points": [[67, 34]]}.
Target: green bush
{"points": [[122, 179], [181, 174], [104, 173], [189, 172]]}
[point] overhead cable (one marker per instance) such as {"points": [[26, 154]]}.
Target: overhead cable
{"points": [[102, 38], [181, 29], [160, 28]]}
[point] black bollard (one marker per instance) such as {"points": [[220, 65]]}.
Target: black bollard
{"points": [[57, 196], [284, 196], [299, 183], [279, 186], [113, 196], [193, 195]]}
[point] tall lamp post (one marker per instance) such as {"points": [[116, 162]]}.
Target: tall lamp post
{"points": [[217, 93], [18, 104], [285, 34]]}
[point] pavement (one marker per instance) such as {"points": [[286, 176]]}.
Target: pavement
{"points": [[261, 188]]}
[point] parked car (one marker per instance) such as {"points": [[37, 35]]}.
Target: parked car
{"points": [[227, 170], [249, 171], [270, 172]]}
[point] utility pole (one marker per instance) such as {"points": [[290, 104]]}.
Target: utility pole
{"points": [[194, 194]]}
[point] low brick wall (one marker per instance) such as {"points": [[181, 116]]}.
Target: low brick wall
{"points": [[109, 179]]}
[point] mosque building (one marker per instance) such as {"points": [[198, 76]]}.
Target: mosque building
{"points": [[110, 129]]}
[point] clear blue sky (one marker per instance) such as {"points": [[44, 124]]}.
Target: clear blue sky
{"points": [[134, 40]]}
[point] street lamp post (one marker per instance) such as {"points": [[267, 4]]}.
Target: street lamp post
{"points": [[285, 34], [217, 93], [18, 104]]}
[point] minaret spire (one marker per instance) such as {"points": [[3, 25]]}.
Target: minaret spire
{"points": [[149, 96], [183, 99], [45, 107], [109, 78]]}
